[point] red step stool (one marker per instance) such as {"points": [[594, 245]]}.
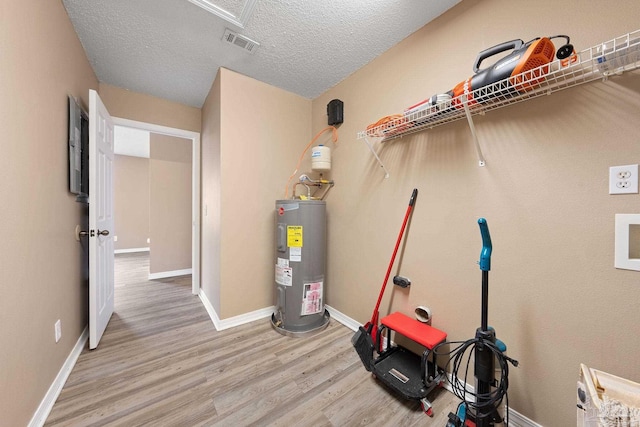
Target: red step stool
{"points": [[423, 334], [413, 329]]}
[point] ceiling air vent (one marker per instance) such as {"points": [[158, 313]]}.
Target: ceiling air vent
{"points": [[240, 41]]}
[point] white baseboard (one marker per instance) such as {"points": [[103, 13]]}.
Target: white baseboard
{"points": [[174, 273], [235, 320], [518, 420], [221, 324], [130, 250], [343, 318], [210, 310], [41, 414], [241, 319]]}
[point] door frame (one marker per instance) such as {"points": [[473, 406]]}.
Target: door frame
{"points": [[195, 186]]}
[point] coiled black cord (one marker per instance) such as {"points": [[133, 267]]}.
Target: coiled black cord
{"points": [[482, 404]]}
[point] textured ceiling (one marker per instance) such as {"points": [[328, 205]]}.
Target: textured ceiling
{"points": [[173, 48]]}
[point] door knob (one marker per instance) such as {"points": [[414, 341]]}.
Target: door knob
{"points": [[90, 233], [79, 233]]}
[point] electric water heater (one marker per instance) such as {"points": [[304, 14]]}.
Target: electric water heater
{"points": [[300, 260]]}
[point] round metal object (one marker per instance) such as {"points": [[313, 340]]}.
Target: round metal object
{"points": [[301, 334]]}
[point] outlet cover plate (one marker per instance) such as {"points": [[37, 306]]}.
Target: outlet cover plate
{"points": [[623, 179]]}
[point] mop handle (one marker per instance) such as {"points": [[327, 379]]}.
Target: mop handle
{"points": [[412, 201], [485, 254]]}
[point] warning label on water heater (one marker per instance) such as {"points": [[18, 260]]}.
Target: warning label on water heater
{"points": [[284, 275], [294, 236], [311, 298]]}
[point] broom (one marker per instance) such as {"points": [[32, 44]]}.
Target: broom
{"points": [[364, 340]]}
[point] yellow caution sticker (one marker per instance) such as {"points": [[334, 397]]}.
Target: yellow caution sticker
{"points": [[294, 236]]}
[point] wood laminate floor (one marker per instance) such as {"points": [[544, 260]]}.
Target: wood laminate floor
{"points": [[162, 363]]}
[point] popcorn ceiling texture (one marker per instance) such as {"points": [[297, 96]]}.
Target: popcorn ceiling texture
{"points": [[172, 48]]}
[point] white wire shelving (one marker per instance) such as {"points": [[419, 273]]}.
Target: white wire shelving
{"points": [[613, 57]]}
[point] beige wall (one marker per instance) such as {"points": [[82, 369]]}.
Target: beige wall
{"points": [[131, 201], [42, 264], [153, 200], [262, 132], [555, 298], [125, 104], [170, 179], [40, 260]]}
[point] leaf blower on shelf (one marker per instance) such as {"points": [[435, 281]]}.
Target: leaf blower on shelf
{"points": [[519, 71]]}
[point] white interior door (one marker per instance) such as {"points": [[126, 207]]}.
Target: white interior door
{"points": [[101, 285]]}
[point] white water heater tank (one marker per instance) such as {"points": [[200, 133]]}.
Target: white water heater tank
{"points": [[321, 158]]}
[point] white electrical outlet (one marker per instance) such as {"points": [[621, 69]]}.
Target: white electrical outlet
{"points": [[623, 179], [58, 329]]}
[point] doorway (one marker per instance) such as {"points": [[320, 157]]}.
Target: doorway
{"points": [[194, 138]]}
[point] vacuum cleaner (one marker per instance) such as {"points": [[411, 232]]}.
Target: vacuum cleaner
{"points": [[481, 408]]}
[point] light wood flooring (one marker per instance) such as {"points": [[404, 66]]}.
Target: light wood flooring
{"points": [[162, 363]]}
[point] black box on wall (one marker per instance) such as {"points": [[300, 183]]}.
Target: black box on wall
{"points": [[335, 111]]}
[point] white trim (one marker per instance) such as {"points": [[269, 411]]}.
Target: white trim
{"points": [[447, 386], [41, 414], [210, 310], [518, 420], [623, 225], [174, 273], [234, 321], [343, 318], [195, 185], [222, 324], [238, 21], [195, 216], [130, 250], [242, 319]]}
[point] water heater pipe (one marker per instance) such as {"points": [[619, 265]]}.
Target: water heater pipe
{"points": [[334, 138]]}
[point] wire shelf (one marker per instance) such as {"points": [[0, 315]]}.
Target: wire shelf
{"points": [[599, 62]]}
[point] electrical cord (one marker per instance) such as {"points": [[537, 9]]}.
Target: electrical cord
{"points": [[482, 404]]}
